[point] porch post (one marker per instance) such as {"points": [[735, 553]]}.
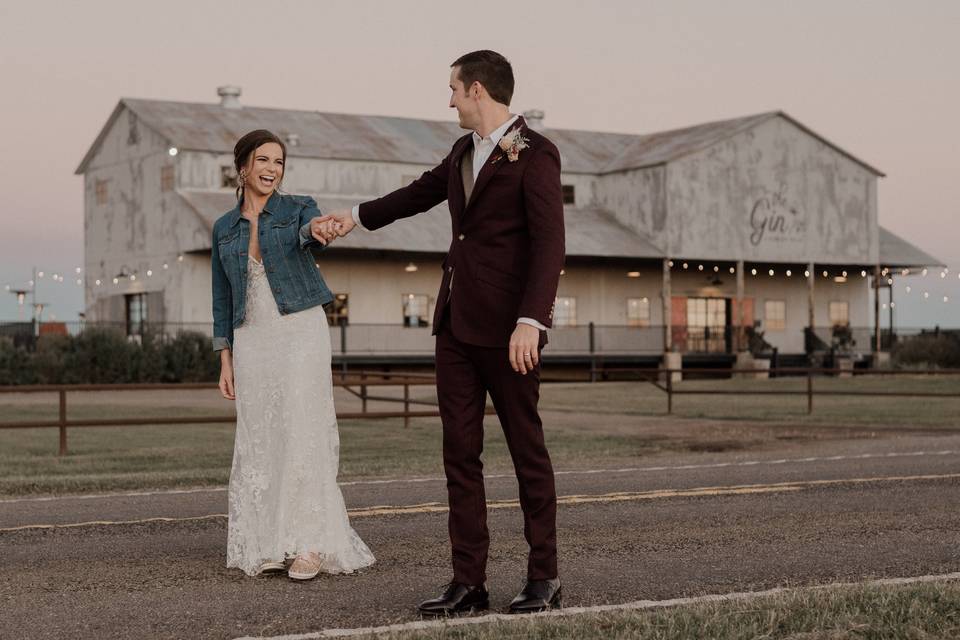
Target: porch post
{"points": [[739, 341], [810, 301], [876, 307], [667, 298]]}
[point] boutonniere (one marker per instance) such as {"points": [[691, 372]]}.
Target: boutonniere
{"points": [[513, 143]]}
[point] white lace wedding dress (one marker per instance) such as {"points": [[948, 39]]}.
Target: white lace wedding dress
{"points": [[283, 495]]}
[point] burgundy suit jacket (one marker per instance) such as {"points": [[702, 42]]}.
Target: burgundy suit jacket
{"points": [[507, 248]]}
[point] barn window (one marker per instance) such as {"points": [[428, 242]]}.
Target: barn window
{"points": [[569, 194], [839, 314], [136, 313], [565, 312], [100, 189], [133, 135], [415, 309], [167, 175], [775, 315], [638, 312], [338, 311], [228, 176]]}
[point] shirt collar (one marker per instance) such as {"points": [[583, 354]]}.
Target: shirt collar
{"points": [[496, 134]]}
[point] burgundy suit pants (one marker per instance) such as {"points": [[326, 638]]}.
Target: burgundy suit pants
{"points": [[465, 374]]}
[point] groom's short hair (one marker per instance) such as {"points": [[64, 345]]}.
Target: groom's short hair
{"points": [[490, 69]]}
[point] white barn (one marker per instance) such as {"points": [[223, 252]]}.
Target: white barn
{"points": [[676, 240]]}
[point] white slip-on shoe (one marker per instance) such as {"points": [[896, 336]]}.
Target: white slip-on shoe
{"points": [[305, 566], [272, 567]]}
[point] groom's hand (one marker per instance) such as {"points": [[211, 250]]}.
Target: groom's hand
{"points": [[324, 229], [344, 220], [524, 348]]}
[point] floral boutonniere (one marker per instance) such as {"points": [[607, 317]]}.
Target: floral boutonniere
{"points": [[512, 143]]}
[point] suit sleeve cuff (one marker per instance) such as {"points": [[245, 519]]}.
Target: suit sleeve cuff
{"points": [[532, 323], [220, 343], [355, 212]]}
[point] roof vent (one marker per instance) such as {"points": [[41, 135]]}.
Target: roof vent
{"points": [[229, 97], [534, 118], [293, 140]]}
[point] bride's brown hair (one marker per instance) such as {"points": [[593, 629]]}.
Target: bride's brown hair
{"points": [[244, 149]]}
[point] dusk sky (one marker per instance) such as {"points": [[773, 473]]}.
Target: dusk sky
{"points": [[879, 79]]}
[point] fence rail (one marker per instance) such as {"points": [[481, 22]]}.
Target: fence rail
{"points": [[359, 383]]}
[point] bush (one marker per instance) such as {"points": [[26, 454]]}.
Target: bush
{"points": [[15, 367], [105, 356], [935, 350]]}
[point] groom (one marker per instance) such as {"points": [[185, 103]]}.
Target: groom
{"points": [[502, 185]]}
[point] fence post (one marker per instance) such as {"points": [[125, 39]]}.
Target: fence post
{"points": [[406, 405], [363, 391], [63, 422], [669, 391], [593, 349], [809, 391]]}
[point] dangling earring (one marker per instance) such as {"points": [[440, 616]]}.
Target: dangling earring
{"points": [[240, 179]]}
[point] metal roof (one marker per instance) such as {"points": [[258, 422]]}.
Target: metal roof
{"points": [[211, 127], [897, 252], [589, 232]]}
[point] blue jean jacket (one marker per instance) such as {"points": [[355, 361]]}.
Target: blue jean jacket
{"points": [[285, 247]]}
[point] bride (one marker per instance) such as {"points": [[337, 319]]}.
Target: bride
{"points": [[271, 331]]}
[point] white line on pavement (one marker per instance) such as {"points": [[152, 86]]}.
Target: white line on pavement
{"points": [[420, 625], [572, 472]]}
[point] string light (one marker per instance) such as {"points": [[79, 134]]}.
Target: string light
{"points": [[789, 273], [716, 269], [753, 272], [670, 264], [863, 274], [770, 272], [806, 273], [733, 269], [685, 265], [699, 267]]}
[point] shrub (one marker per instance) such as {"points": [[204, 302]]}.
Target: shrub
{"points": [[935, 350], [15, 365]]}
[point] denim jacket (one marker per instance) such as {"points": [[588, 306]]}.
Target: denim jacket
{"points": [[285, 247]]}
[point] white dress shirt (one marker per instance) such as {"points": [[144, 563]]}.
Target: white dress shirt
{"points": [[482, 148]]}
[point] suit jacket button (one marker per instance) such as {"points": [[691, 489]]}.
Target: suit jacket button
{"points": [[461, 236]]}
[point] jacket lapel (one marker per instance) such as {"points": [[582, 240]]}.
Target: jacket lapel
{"points": [[460, 151], [496, 160]]}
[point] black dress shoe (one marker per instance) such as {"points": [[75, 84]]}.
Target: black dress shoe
{"points": [[537, 595], [456, 598]]}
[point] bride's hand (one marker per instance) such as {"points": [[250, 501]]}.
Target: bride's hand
{"points": [[226, 375]]}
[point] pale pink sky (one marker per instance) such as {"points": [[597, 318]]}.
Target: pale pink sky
{"points": [[878, 78]]}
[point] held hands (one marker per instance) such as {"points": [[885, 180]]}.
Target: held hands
{"points": [[524, 348], [337, 224]]}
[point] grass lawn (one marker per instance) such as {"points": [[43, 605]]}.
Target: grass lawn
{"points": [[924, 611], [600, 425], [639, 398]]}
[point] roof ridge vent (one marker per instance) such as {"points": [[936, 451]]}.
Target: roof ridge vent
{"points": [[230, 96]]}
